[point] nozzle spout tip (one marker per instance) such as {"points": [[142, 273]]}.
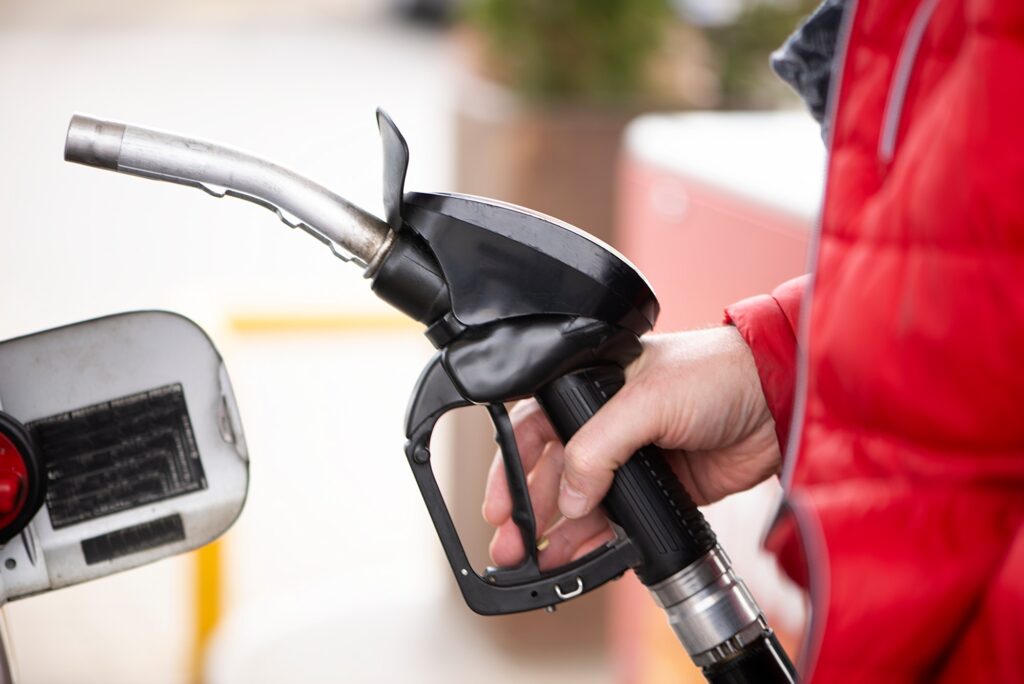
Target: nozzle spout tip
{"points": [[93, 142]]}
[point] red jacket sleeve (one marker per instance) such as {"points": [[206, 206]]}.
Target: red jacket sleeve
{"points": [[769, 325]]}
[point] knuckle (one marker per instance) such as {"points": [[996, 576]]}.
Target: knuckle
{"points": [[582, 466], [575, 457]]}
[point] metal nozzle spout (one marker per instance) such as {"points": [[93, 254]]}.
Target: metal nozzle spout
{"points": [[351, 233], [93, 142]]}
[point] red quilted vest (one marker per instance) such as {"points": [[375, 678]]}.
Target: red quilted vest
{"points": [[898, 393]]}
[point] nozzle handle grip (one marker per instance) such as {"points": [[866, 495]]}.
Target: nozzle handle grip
{"points": [[646, 499]]}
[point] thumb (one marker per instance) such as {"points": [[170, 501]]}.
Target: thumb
{"points": [[604, 443]]}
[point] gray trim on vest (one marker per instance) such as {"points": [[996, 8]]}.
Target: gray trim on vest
{"points": [[901, 79]]}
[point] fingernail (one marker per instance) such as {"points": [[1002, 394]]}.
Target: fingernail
{"points": [[571, 501]]}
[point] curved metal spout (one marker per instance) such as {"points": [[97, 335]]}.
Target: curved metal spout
{"points": [[351, 233]]}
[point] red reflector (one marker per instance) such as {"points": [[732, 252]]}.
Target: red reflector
{"points": [[12, 477]]}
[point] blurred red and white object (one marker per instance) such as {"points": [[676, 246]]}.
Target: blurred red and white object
{"points": [[715, 207]]}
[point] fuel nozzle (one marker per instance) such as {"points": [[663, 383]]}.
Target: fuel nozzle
{"points": [[352, 233]]}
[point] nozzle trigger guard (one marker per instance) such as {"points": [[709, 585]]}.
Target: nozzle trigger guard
{"points": [[499, 590]]}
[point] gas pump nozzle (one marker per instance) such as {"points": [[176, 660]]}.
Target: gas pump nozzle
{"points": [[518, 304]]}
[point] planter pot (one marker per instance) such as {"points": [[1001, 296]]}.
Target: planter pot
{"points": [[556, 159]]}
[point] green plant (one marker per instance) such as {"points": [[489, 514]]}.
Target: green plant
{"points": [[570, 49], [741, 50]]}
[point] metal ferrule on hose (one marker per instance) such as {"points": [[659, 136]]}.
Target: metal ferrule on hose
{"points": [[350, 232], [710, 609]]}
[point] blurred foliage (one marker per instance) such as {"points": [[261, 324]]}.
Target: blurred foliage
{"points": [[741, 49], [590, 50]]}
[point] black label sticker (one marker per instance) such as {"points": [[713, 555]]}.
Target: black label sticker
{"points": [[118, 455], [134, 539]]}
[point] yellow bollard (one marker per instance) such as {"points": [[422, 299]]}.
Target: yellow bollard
{"points": [[207, 565]]}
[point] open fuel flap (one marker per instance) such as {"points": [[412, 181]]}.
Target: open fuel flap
{"points": [[123, 434]]}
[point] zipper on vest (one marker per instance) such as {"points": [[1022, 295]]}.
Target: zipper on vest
{"points": [[901, 79]]}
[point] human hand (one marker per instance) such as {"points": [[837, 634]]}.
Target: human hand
{"points": [[695, 394]]}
